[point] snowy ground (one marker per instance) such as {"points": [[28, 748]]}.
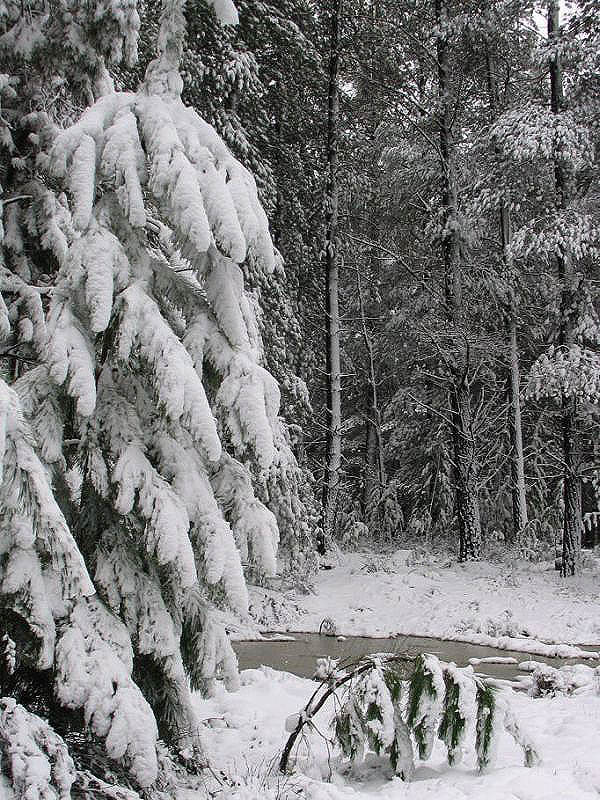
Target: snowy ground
{"points": [[248, 733], [519, 607], [526, 607]]}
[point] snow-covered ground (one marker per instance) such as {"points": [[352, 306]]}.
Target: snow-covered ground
{"points": [[247, 734], [520, 606]]}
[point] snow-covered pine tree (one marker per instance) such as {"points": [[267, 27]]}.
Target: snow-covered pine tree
{"points": [[49, 614], [556, 137], [52, 621], [240, 80], [149, 402]]}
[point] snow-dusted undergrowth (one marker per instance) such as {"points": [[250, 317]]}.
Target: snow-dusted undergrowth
{"points": [[248, 728], [524, 607]]}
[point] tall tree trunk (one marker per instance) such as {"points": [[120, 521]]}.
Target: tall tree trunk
{"points": [[465, 459], [375, 474], [331, 483], [517, 461], [572, 521], [370, 494]]}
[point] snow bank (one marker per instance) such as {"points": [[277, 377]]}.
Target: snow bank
{"points": [[535, 612]]}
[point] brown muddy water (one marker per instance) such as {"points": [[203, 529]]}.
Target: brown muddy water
{"points": [[299, 656]]}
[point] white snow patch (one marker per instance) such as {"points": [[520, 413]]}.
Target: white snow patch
{"points": [[543, 614]]}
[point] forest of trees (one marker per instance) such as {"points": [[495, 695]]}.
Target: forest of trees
{"points": [[277, 278], [431, 176], [467, 253]]}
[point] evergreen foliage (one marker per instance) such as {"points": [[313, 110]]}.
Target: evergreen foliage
{"points": [[426, 694], [383, 705], [137, 450], [243, 82], [39, 761], [486, 710], [457, 711]]}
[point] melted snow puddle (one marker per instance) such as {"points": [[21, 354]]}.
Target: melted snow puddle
{"points": [[299, 655]]}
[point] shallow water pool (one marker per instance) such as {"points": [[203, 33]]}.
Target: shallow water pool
{"points": [[299, 656]]}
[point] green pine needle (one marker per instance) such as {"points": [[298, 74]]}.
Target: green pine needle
{"points": [[486, 721]]}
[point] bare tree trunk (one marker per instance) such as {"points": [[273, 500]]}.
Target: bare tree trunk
{"points": [[572, 521], [331, 483], [370, 494], [466, 473], [374, 472], [466, 467], [375, 477], [517, 461]]}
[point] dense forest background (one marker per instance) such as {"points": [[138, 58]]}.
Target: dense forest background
{"points": [[431, 178]]}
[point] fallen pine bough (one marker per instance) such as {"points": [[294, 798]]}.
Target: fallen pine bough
{"points": [[391, 704]]}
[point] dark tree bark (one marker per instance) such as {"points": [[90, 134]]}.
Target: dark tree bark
{"points": [[517, 461], [375, 473], [465, 459], [331, 482], [572, 521]]}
